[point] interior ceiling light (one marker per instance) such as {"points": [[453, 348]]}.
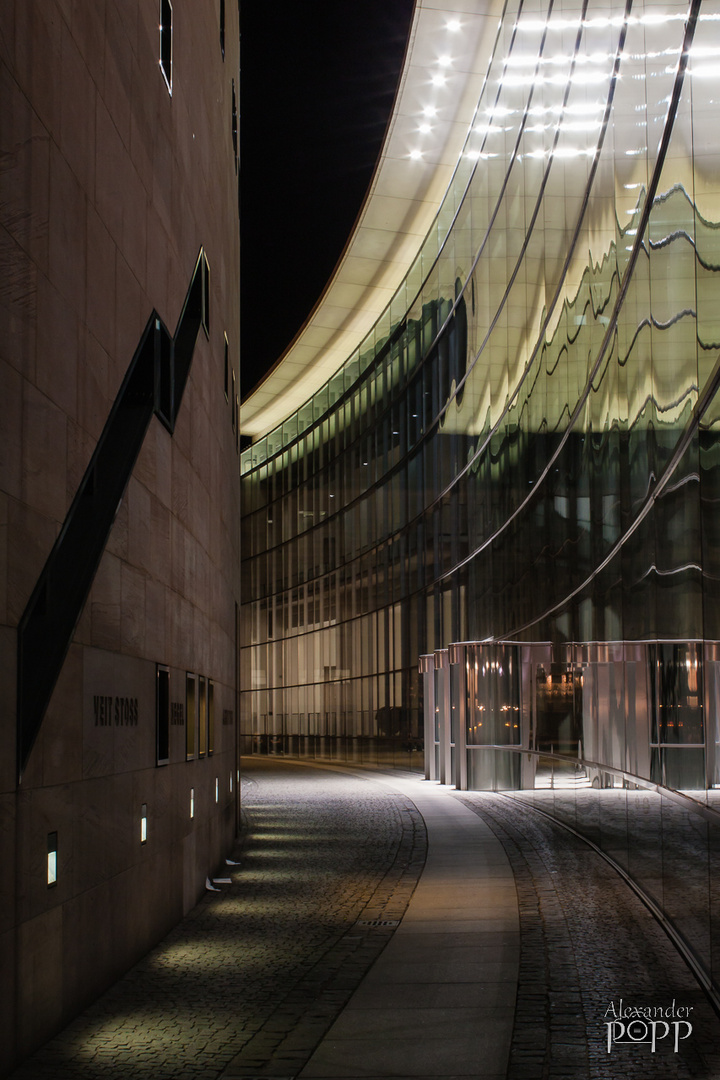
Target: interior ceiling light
{"points": [[429, 110], [453, 26], [445, 61], [425, 129], [415, 155], [438, 80]]}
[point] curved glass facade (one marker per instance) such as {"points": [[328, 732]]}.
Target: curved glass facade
{"points": [[523, 458]]}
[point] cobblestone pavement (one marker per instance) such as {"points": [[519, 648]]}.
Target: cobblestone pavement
{"points": [[588, 942], [247, 985], [249, 982]]}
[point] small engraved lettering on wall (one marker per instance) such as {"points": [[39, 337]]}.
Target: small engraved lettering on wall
{"points": [[227, 716], [177, 713], [115, 711]]}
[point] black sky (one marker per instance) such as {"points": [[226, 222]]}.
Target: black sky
{"points": [[318, 81]]}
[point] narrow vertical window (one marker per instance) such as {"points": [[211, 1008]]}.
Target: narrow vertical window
{"points": [[192, 802], [227, 367], [143, 824], [162, 714], [234, 398], [166, 42], [206, 296], [234, 124], [52, 850], [211, 715], [190, 711], [222, 28], [202, 716]]}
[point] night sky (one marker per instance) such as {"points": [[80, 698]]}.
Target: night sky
{"points": [[318, 80]]}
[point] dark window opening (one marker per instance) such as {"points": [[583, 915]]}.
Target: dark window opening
{"points": [[202, 717], [206, 298], [166, 42], [234, 123], [211, 716], [227, 367], [222, 28], [162, 714]]}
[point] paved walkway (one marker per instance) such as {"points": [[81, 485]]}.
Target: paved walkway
{"points": [[335, 954]]}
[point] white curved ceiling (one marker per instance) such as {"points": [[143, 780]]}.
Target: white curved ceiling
{"points": [[447, 58]]}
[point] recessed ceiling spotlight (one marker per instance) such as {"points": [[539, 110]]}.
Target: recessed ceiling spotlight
{"points": [[445, 61], [415, 156], [429, 110], [425, 129], [438, 80], [453, 26]]}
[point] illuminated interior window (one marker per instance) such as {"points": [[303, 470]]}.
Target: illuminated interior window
{"points": [[52, 850], [166, 42], [217, 789], [143, 824], [192, 802], [231, 783], [190, 714]]}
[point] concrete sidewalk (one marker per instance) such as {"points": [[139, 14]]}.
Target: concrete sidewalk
{"points": [[440, 1000]]}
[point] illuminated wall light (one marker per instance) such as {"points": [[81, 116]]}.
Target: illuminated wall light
{"points": [[192, 802], [143, 824], [217, 789], [52, 850]]}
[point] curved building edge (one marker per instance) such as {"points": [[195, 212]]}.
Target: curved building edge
{"points": [[446, 59]]}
